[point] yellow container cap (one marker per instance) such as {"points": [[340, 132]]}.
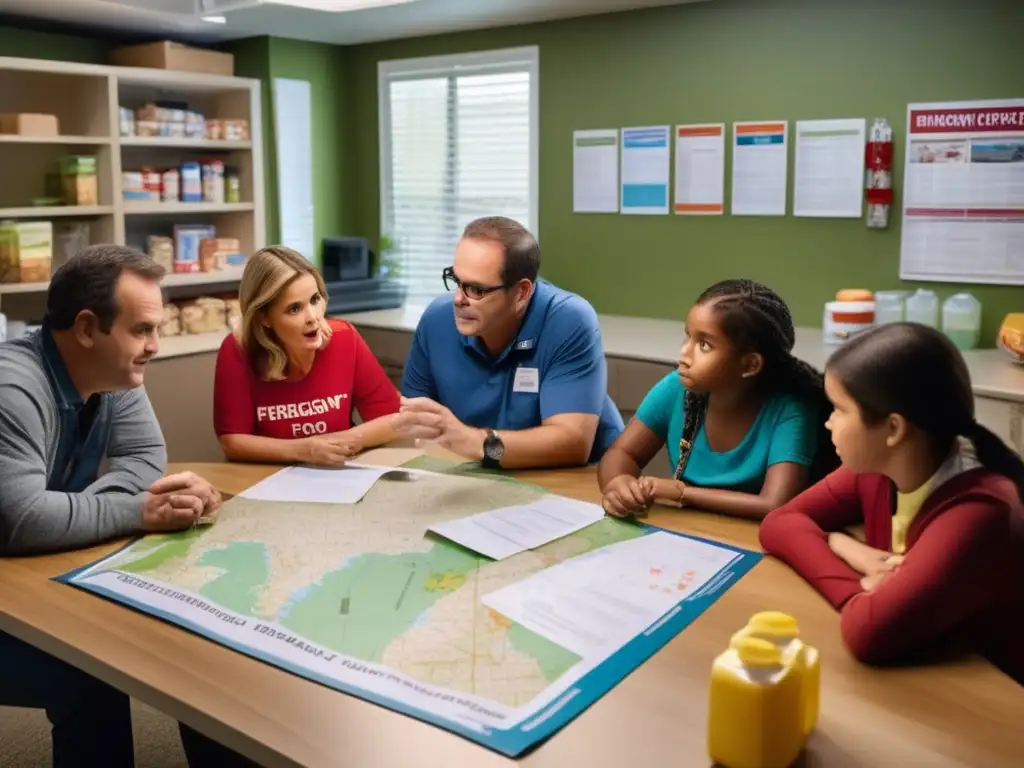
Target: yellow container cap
{"points": [[754, 652], [774, 623]]}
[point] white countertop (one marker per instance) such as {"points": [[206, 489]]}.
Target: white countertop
{"points": [[651, 340], [657, 341], [189, 344]]}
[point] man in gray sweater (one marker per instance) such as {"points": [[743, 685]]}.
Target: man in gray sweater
{"points": [[70, 397]]}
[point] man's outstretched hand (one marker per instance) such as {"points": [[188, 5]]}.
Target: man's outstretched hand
{"points": [[421, 418]]}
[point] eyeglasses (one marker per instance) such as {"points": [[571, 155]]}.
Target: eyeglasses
{"points": [[472, 290]]}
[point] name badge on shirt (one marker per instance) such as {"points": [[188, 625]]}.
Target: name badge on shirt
{"points": [[527, 380]]}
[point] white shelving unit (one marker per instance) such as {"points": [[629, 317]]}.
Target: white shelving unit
{"points": [[86, 100]]}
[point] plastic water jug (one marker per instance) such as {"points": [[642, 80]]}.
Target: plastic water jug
{"points": [[923, 307], [782, 631], [961, 320], [764, 695], [890, 306]]}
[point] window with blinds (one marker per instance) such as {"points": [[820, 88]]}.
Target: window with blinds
{"points": [[458, 140]]}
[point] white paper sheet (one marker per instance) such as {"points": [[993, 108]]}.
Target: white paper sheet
{"points": [[759, 168], [829, 177], [508, 531], [645, 170], [963, 197], [345, 485], [595, 171], [700, 170], [595, 603]]}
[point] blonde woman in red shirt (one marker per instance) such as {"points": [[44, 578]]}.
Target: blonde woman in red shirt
{"points": [[288, 379], [940, 498]]}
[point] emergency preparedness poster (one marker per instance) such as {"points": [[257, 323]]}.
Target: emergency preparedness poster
{"points": [[963, 199]]}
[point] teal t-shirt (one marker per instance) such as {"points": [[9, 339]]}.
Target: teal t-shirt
{"points": [[785, 430]]}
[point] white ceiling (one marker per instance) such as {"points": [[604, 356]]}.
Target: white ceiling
{"points": [[410, 19]]}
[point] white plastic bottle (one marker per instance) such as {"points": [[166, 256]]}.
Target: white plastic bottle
{"points": [[923, 307], [961, 320], [890, 306]]}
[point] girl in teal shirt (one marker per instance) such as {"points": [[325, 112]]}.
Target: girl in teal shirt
{"points": [[741, 416]]}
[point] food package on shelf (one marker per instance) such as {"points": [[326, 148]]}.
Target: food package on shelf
{"points": [[204, 315], [70, 237], [9, 268], [187, 238], [169, 120], [35, 251], [147, 128], [126, 119], [170, 185], [170, 324], [79, 180], [234, 314], [212, 176], [26, 251], [161, 250], [132, 186], [215, 252], [227, 130]]}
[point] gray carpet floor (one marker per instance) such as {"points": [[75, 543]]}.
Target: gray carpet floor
{"points": [[25, 739]]}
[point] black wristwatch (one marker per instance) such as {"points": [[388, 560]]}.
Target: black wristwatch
{"points": [[494, 449]]}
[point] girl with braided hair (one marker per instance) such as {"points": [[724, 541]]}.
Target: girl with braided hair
{"points": [[742, 418], [941, 499]]}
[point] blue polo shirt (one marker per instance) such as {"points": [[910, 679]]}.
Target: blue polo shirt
{"points": [[555, 364]]}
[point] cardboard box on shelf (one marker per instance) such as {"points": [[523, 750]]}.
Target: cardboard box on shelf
{"points": [[170, 55], [29, 124], [217, 253]]}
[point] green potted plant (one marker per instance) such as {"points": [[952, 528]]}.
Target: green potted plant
{"points": [[389, 265], [389, 268]]}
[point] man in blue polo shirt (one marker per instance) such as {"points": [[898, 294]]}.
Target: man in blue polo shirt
{"points": [[510, 370]]}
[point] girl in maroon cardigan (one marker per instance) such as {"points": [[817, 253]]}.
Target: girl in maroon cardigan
{"points": [[940, 498]]}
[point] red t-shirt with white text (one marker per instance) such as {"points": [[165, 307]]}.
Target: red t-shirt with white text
{"points": [[345, 375]]}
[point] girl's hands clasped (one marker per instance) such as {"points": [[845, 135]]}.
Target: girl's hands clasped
{"points": [[627, 496]]}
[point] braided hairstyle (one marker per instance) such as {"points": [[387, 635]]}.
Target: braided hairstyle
{"points": [[756, 319]]}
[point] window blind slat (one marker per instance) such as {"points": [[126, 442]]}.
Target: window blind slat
{"points": [[458, 147]]}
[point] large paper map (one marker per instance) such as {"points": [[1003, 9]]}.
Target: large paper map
{"points": [[360, 598]]}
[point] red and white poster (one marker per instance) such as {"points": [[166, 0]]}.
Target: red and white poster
{"points": [[963, 193]]}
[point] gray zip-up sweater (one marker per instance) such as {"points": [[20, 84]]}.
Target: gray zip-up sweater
{"points": [[52, 496]]}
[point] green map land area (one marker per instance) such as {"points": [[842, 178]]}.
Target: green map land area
{"points": [[367, 581]]}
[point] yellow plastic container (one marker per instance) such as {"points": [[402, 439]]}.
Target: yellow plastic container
{"points": [[782, 631], [764, 695], [755, 713]]}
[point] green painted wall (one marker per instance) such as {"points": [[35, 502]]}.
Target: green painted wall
{"points": [[724, 60], [29, 44], [252, 59]]}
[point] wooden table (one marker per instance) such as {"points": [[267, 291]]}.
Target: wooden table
{"points": [[967, 714]]}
